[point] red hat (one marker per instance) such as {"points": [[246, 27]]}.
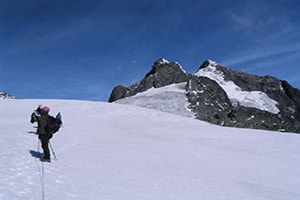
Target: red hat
{"points": [[46, 109]]}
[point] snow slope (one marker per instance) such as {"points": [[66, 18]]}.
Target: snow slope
{"points": [[121, 152], [171, 98]]}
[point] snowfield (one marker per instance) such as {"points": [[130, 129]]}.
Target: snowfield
{"points": [[122, 152], [171, 98]]}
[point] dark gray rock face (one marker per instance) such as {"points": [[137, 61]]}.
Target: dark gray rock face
{"points": [[211, 102], [119, 92], [286, 96], [207, 99]]}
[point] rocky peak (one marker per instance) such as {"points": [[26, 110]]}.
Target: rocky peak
{"points": [[165, 69], [163, 73], [161, 61], [224, 96], [208, 63]]}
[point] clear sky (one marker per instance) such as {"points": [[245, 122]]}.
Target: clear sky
{"points": [[81, 49]]}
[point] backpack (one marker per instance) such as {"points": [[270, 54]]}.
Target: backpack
{"points": [[53, 124]]}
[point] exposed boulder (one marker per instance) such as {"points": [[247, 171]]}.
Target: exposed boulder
{"points": [[118, 92]]}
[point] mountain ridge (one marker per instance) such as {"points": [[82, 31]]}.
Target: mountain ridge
{"points": [[224, 96]]}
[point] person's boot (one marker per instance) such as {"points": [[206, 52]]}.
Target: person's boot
{"points": [[45, 159]]}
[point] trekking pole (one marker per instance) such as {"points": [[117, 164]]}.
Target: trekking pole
{"points": [[52, 151]]}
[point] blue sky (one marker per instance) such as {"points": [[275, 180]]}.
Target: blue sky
{"points": [[74, 49]]}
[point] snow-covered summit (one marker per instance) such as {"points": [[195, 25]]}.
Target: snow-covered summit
{"points": [[211, 63], [161, 61], [208, 63]]}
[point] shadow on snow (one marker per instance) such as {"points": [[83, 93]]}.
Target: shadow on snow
{"points": [[36, 154]]}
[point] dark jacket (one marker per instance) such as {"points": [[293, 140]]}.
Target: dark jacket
{"points": [[42, 122]]}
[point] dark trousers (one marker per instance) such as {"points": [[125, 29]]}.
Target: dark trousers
{"points": [[45, 145]]}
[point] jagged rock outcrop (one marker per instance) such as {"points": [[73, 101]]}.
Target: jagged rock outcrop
{"points": [[227, 97]]}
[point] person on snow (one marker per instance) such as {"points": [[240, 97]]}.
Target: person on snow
{"points": [[43, 135]]}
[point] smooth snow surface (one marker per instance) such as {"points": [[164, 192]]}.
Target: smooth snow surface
{"points": [[171, 98], [253, 99], [121, 152]]}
